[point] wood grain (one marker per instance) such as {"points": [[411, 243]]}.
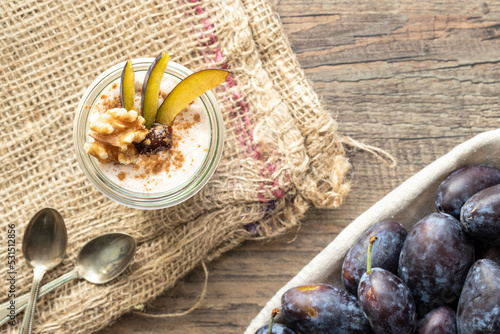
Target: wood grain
{"points": [[413, 78]]}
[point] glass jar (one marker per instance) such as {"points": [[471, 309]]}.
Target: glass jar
{"points": [[143, 200]]}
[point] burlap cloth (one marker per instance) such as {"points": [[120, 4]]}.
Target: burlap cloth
{"points": [[407, 204], [281, 153]]}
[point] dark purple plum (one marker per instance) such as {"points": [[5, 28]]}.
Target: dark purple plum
{"points": [[434, 261], [385, 300], [277, 329], [460, 185], [323, 309], [441, 320], [387, 303], [480, 248], [481, 215], [391, 236], [479, 305], [483, 250], [493, 254]]}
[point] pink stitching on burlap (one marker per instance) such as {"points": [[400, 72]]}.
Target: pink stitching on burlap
{"points": [[243, 128]]}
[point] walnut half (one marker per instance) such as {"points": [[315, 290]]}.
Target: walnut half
{"points": [[114, 133]]}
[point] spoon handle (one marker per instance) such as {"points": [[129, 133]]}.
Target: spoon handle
{"points": [[30, 309], [8, 314]]}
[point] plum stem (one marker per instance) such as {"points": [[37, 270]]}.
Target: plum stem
{"points": [[273, 314], [369, 255]]}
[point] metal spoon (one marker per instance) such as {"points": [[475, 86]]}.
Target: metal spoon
{"points": [[100, 260], [44, 245]]}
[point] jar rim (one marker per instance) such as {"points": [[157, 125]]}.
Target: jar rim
{"points": [[142, 200]]}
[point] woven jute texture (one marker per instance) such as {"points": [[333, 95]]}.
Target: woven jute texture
{"points": [[282, 151]]}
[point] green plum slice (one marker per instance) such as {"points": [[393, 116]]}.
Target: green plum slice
{"points": [[151, 88], [188, 90], [128, 86]]}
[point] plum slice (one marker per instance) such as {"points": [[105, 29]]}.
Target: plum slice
{"points": [[151, 88], [128, 86], [187, 91]]}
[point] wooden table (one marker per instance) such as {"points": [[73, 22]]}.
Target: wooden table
{"points": [[414, 78]]}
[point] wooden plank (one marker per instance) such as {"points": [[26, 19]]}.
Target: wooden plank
{"points": [[300, 8]]}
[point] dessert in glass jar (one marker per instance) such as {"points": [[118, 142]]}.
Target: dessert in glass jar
{"points": [[148, 133]]}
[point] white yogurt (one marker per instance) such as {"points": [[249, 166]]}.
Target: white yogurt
{"points": [[191, 140]]}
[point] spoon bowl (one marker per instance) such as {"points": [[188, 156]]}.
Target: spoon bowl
{"points": [[45, 239], [44, 246], [105, 257]]}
